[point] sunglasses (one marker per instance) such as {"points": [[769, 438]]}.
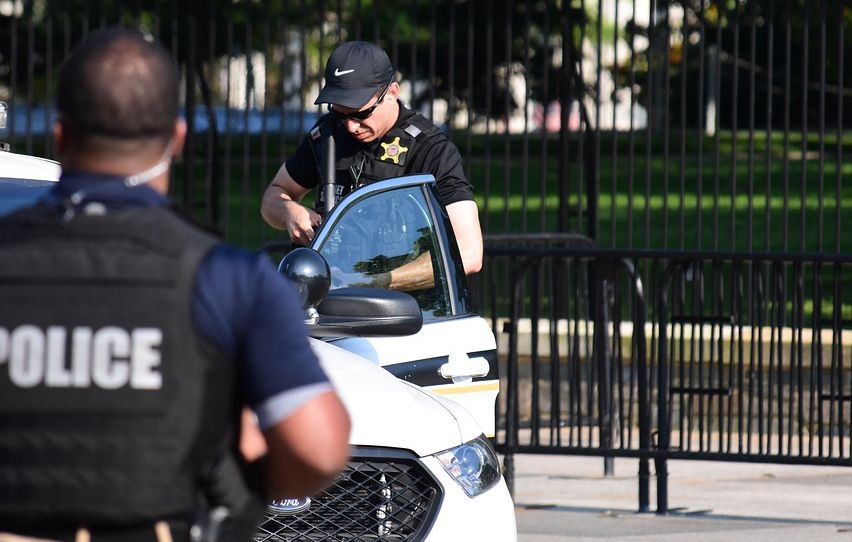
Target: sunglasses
{"points": [[359, 115]]}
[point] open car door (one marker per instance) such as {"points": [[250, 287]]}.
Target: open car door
{"points": [[399, 223]]}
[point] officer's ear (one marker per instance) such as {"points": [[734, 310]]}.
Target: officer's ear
{"points": [[393, 91], [179, 136], [59, 136]]}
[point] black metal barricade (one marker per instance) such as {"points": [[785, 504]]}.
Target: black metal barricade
{"points": [[748, 357], [753, 359], [574, 382]]}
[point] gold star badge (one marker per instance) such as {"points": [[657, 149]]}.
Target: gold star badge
{"points": [[393, 151]]}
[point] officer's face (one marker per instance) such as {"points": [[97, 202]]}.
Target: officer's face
{"points": [[384, 113]]}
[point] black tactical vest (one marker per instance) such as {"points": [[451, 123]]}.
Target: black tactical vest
{"points": [[112, 408], [401, 151]]}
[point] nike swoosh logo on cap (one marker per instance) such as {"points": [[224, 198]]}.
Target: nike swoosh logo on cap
{"points": [[338, 73]]}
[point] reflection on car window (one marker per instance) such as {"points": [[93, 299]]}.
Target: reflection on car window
{"points": [[385, 232]]}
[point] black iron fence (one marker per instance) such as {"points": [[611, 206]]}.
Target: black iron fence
{"points": [[697, 124], [745, 357]]}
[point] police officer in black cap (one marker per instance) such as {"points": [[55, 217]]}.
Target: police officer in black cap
{"points": [[376, 137], [131, 339]]}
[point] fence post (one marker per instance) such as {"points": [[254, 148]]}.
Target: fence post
{"points": [[512, 411], [601, 271], [663, 393], [642, 369], [189, 44]]}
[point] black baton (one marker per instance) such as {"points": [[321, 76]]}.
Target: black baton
{"points": [[329, 182]]}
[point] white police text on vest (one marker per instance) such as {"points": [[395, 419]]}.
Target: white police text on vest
{"points": [[108, 358]]}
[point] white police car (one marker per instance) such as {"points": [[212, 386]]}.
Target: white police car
{"points": [[421, 468], [23, 179], [416, 473]]}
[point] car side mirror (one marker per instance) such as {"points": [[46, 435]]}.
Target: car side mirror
{"points": [[347, 312], [308, 273], [367, 312]]}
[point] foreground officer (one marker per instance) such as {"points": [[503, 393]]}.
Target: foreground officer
{"points": [[376, 138], [129, 339]]}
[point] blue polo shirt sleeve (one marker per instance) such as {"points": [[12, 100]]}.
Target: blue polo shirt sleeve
{"points": [[243, 306]]}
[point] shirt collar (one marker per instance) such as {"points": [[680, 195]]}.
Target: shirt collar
{"points": [[109, 190], [346, 138]]}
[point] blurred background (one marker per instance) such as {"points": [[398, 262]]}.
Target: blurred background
{"points": [[706, 124]]}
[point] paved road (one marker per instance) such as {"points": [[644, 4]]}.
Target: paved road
{"points": [[568, 499]]}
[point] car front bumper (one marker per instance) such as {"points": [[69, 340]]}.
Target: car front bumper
{"points": [[488, 516], [391, 494]]}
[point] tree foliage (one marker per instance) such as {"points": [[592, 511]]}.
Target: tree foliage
{"points": [[467, 51]]}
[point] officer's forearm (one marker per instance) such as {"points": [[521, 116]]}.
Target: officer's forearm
{"points": [[464, 217], [273, 207], [307, 449], [415, 275], [470, 251]]}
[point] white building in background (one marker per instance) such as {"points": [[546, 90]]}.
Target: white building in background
{"points": [[615, 104], [12, 8], [244, 88], [618, 108]]}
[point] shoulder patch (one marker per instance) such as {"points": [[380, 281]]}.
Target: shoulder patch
{"points": [[412, 130], [424, 126], [315, 132]]}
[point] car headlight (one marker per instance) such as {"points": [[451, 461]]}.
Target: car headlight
{"points": [[473, 465]]}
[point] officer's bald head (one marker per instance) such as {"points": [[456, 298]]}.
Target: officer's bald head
{"points": [[119, 90]]}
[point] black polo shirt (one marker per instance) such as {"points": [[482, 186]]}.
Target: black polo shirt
{"points": [[436, 155]]}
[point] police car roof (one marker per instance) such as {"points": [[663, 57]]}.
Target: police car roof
{"points": [[21, 166]]}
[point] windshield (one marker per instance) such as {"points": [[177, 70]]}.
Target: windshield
{"points": [[15, 193]]}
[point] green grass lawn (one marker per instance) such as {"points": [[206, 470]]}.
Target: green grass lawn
{"points": [[719, 202], [788, 197]]}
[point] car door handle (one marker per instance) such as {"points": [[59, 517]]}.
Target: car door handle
{"points": [[461, 367]]}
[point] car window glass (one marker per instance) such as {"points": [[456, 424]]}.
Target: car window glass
{"points": [[384, 232]]}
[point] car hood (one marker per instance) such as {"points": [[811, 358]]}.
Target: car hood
{"points": [[21, 166], [388, 412]]}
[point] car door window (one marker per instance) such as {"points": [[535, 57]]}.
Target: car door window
{"points": [[384, 232]]}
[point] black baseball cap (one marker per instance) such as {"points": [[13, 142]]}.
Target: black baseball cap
{"points": [[355, 71]]}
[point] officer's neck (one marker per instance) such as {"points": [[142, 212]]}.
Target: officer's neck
{"points": [[114, 162], [115, 166], [392, 119], [396, 114]]}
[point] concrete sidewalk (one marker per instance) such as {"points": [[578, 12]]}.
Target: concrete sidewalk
{"points": [[567, 499]]}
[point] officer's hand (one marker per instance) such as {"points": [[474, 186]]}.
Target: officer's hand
{"points": [[301, 222], [252, 442]]}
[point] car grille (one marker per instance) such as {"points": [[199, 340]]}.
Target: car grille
{"points": [[382, 495]]}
